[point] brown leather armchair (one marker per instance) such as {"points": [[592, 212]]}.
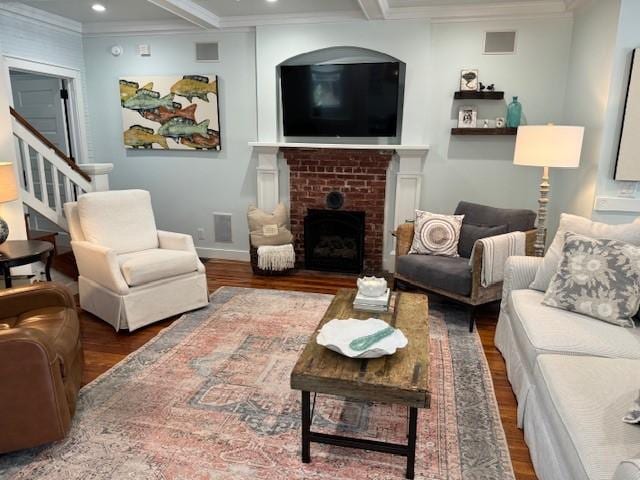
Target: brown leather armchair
{"points": [[41, 363]]}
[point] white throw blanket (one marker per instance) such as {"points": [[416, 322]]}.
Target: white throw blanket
{"points": [[276, 258], [496, 251]]}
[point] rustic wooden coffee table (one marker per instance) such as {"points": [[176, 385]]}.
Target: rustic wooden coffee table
{"points": [[402, 378]]}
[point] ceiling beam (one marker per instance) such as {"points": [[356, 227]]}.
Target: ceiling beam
{"points": [[372, 9], [190, 11]]}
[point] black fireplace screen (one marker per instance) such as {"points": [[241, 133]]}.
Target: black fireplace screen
{"points": [[334, 240]]}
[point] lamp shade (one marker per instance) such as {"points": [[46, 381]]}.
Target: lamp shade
{"points": [[8, 184], [549, 146]]}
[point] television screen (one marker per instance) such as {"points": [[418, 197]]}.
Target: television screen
{"points": [[340, 100]]}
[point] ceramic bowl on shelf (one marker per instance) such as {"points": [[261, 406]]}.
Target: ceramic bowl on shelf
{"points": [[339, 335], [372, 286]]}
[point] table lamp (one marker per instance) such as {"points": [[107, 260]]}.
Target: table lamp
{"points": [[8, 193], [547, 146]]}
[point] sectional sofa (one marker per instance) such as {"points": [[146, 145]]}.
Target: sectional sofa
{"points": [[575, 377]]}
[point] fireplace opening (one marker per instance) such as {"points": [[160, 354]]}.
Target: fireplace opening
{"points": [[334, 240]]}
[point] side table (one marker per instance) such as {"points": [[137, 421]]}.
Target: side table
{"points": [[16, 253]]}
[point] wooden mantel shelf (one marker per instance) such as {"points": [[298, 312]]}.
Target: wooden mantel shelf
{"points": [[352, 146]]}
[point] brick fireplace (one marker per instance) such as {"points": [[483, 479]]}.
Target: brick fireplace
{"points": [[359, 175]]}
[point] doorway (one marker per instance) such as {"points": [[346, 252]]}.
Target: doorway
{"points": [[43, 101]]}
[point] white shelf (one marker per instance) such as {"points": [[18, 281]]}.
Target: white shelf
{"points": [[351, 146]]}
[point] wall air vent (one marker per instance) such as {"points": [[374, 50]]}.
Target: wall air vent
{"points": [[500, 43], [207, 52], [222, 227]]}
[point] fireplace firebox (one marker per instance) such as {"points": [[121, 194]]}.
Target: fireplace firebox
{"points": [[334, 240]]}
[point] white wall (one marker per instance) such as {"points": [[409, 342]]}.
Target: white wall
{"points": [[627, 38], [186, 186], [588, 84], [480, 169]]}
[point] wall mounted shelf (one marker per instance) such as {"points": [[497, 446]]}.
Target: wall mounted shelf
{"points": [[484, 131], [470, 95]]}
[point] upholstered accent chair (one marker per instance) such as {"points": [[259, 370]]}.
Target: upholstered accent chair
{"points": [[132, 274], [456, 277], [41, 363]]}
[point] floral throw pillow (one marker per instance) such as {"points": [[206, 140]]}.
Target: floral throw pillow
{"points": [[436, 234], [598, 278]]}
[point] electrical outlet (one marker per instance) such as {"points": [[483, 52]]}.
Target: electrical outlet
{"points": [[201, 234]]}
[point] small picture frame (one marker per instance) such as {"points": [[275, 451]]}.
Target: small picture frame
{"points": [[468, 117], [469, 81], [500, 123]]}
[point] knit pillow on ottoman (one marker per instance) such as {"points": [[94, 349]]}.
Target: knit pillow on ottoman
{"points": [[436, 234]]}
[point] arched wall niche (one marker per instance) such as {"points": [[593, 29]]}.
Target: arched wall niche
{"points": [[343, 55]]}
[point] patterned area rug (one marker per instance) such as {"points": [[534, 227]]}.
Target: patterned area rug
{"points": [[209, 398]]}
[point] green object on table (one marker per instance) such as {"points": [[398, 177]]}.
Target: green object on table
{"points": [[363, 343]]}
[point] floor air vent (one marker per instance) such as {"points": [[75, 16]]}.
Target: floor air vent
{"points": [[222, 227]]}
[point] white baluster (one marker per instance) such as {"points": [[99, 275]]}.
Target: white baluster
{"points": [[28, 168], [68, 191], [56, 190], [43, 179]]}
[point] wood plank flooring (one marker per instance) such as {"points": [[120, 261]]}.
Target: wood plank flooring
{"points": [[104, 348]]}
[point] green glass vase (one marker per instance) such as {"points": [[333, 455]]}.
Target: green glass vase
{"points": [[514, 113]]}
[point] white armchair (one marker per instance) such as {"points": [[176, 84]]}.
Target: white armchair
{"points": [[132, 274]]}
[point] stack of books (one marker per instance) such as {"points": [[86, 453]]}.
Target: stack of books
{"points": [[372, 304]]}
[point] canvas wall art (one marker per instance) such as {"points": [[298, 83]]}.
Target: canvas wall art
{"points": [[170, 112]]}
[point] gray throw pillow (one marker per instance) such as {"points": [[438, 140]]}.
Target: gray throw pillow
{"points": [[598, 278], [629, 232], [436, 234], [470, 233]]}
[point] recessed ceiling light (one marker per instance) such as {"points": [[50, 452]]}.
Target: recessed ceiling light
{"points": [[272, 1], [98, 7]]}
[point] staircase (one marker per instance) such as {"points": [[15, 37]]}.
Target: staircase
{"points": [[48, 177]]}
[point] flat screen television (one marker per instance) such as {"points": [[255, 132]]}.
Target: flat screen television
{"points": [[340, 100]]}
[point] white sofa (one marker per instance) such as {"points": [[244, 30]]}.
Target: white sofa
{"points": [[132, 274], [575, 378]]}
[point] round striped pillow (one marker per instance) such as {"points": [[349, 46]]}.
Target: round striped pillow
{"points": [[436, 234]]}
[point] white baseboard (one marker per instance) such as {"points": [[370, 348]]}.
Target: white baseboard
{"points": [[224, 254]]}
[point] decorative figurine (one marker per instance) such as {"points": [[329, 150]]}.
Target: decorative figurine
{"points": [[492, 87], [485, 124], [500, 122], [482, 87]]}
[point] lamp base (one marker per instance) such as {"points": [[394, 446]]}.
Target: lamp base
{"points": [[4, 231], [541, 234]]}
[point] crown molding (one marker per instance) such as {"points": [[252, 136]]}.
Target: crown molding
{"points": [[38, 16], [476, 12], [132, 28]]}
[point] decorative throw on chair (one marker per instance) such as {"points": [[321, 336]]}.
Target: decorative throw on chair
{"points": [[495, 252], [598, 278], [436, 234], [276, 258]]}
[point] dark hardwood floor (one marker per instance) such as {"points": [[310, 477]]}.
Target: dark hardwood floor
{"points": [[104, 348]]}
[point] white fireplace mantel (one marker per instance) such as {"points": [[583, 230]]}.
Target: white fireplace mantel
{"points": [[347, 146], [408, 178]]}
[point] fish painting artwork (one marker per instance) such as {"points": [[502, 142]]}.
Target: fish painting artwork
{"points": [[195, 86], [138, 136], [170, 112], [164, 114], [200, 142], [181, 127]]}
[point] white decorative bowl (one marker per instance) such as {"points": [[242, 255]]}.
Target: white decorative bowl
{"points": [[337, 334], [372, 286]]}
